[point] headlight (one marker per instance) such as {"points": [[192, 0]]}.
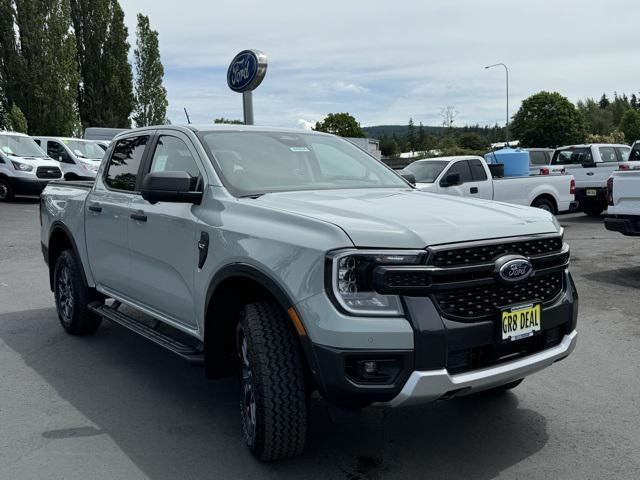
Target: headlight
{"points": [[351, 276], [23, 167]]}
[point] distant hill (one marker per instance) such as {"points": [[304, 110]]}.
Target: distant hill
{"points": [[400, 130]]}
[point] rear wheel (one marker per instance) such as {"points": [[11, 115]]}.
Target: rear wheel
{"points": [[544, 204], [6, 190], [273, 399], [72, 297]]}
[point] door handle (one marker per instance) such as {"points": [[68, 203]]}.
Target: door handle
{"points": [[95, 207], [590, 173], [140, 217], [473, 190]]}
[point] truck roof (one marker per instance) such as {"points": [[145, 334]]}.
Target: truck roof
{"points": [[15, 134], [589, 145], [221, 128]]}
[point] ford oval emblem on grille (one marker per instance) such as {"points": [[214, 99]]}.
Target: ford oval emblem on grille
{"points": [[513, 268]]}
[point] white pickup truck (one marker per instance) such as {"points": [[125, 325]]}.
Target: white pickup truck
{"points": [[623, 197], [470, 176], [591, 165]]}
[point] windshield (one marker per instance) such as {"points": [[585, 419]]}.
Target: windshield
{"points": [[85, 149], [260, 162], [426, 172], [19, 146]]}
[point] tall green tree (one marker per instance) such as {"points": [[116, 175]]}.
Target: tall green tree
{"points": [[630, 125], [150, 106], [599, 121], [548, 120], [341, 124], [105, 95], [15, 120], [411, 135], [39, 73]]}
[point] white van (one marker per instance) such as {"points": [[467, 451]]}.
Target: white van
{"points": [[79, 158], [24, 168]]}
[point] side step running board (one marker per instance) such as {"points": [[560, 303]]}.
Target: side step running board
{"points": [[189, 353]]}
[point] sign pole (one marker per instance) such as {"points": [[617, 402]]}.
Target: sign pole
{"points": [[245, 73], [247, 106]]}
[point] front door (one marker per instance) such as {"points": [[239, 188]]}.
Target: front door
{"points": [[163, 240], [107, 216]]}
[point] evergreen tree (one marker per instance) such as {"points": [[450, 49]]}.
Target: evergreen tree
{"points": [[411, 135], [150, 95], [422, 138], [39, 73], [105, 96], [15, 120], [634, 102], [604, 101]]}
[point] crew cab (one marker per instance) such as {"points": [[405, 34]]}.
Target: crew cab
{"points": [[301, 263], [24, 168], [470, 176], [79, 158], [623, 196], [591, 165]]}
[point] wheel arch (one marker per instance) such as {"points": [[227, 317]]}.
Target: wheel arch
{"points": [[223, 304], [547, 196], [60, 239]]}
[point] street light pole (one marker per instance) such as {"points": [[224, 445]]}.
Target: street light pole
{"points": [[507, 72]]}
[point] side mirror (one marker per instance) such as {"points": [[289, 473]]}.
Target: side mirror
{"points": [[169, 187], [451, 180], [409, 177]]}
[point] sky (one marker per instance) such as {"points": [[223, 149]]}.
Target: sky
{"points": [[385, 62]]}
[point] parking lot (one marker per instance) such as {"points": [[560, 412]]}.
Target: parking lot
{"points": [[115, 406]]}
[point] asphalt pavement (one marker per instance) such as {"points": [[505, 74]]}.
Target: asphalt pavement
{"points": [[113, 406]]}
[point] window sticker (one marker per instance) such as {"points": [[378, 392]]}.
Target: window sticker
{"points": [[299, 149]]}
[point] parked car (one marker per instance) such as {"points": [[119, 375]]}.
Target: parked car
{"points": [[302, 263], [78, 158], [634, 156], [623, 197], [591, 165], [470, 176], [24, 168]]}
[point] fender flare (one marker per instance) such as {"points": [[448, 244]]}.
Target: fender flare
{"points": [[58, 225]]}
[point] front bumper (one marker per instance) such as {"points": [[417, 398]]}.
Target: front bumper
{"points": [[423, 387], [446, 358], [28, 186], [627, 225]]}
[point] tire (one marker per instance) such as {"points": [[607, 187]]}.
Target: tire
{"points": [[6, 190], [502, 388], [273, 399], [72, 297], [544, 204], [594, 209]]}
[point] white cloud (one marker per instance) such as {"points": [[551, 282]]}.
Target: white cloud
{"points": [[386, 62]]}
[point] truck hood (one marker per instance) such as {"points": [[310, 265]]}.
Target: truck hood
{"points": [[393, 218]]}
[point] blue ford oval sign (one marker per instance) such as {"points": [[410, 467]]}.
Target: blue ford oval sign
{"points": [[513, 268], [247, 70]]}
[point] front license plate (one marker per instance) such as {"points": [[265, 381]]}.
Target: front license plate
{"points": [[591, 192], [521, 322]]}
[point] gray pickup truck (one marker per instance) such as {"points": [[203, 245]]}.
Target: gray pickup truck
{"points": [[303, 264]]}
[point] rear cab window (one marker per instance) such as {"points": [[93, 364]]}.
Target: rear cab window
{"points": [[538, 158], [122, 171], [572, 156], [623, 153], [608, 154]]}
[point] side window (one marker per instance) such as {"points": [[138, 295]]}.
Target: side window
{"points": [[122, 171], [623, 153], [56, 151], [173, 155], [478, 173], [608, 154], [461, 167]]}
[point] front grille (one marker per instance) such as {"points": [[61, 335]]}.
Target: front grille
{"points": [[480, 302], [461, 256], [48, 172]]}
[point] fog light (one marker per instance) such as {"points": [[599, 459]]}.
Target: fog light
{"points": [[366, 370], [370, 368]]}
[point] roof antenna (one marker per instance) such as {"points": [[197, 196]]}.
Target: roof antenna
{"points": [[187, 115]]}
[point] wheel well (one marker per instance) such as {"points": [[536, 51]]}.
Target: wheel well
{"points": [[221, 317], [546, 196], [59, 241]]}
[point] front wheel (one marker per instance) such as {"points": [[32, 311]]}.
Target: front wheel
{"points": [[273, 399], [72, 297], [6, 190]]}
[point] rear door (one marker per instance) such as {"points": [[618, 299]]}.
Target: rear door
{"points": [[481, 183], [163, 238], [107, 215]]}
